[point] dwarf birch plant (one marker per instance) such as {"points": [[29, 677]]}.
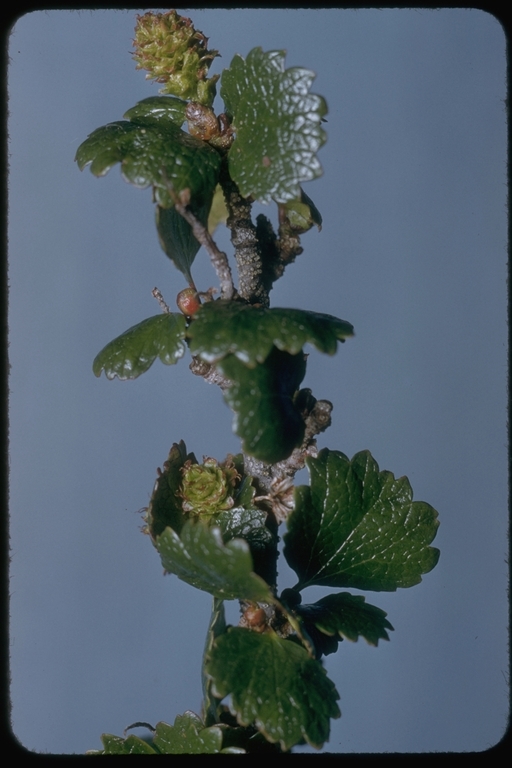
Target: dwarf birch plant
{"points": [[215, 523]]}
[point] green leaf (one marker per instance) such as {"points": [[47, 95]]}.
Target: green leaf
{"points": [[266, 418], [347, 616], [165, 507], [248, 524], [275, 685], [277, 124], [156, 109], [187, 736], [177, 238], [200, 558], [153, 152], [136, 349], [132, 745], [358, 527], [224, 327]]}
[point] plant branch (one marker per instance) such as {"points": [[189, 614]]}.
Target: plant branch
{"points": [[218, 258], [245, 241], [161, 301], [275, 480], [209, 373]]}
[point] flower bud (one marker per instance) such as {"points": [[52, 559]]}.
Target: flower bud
{"points": [[176, 54], [206, 488]]}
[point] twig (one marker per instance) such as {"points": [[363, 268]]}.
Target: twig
{"points": [[275, 480], [158, 296], [218, 258], [209, 373]]}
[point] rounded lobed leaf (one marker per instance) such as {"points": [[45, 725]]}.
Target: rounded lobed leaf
{"points": [[199, 557], [275, 685], [154, 152], [222, 328], [132, 353], [358, 527], [277, 124]]}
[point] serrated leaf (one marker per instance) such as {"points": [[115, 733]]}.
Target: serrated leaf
{"points": [[200, 558], [158, 108], [188, 735], [132, 745], [266, 418], [135, 350], [153, 152], [348, 616], [277, 124], [274, 684], [176, 237], [358, 527], [224, 327], [165, 506]]}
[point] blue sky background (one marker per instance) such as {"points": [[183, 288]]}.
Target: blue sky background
{"points": [[413, 252]]}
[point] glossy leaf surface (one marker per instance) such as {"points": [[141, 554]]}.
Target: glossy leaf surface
{"points": [[136, 349], [266, 418], [358, 527], [223, 327], [277, 124], [275, 684], [155, 109], [347, 616], [153, 152], [199, 557]]}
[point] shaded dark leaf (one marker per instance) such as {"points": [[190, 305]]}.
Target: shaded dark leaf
{"points": [[266, 418]]}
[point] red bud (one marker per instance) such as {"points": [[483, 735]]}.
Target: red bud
{"points": [[188, 301]]}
